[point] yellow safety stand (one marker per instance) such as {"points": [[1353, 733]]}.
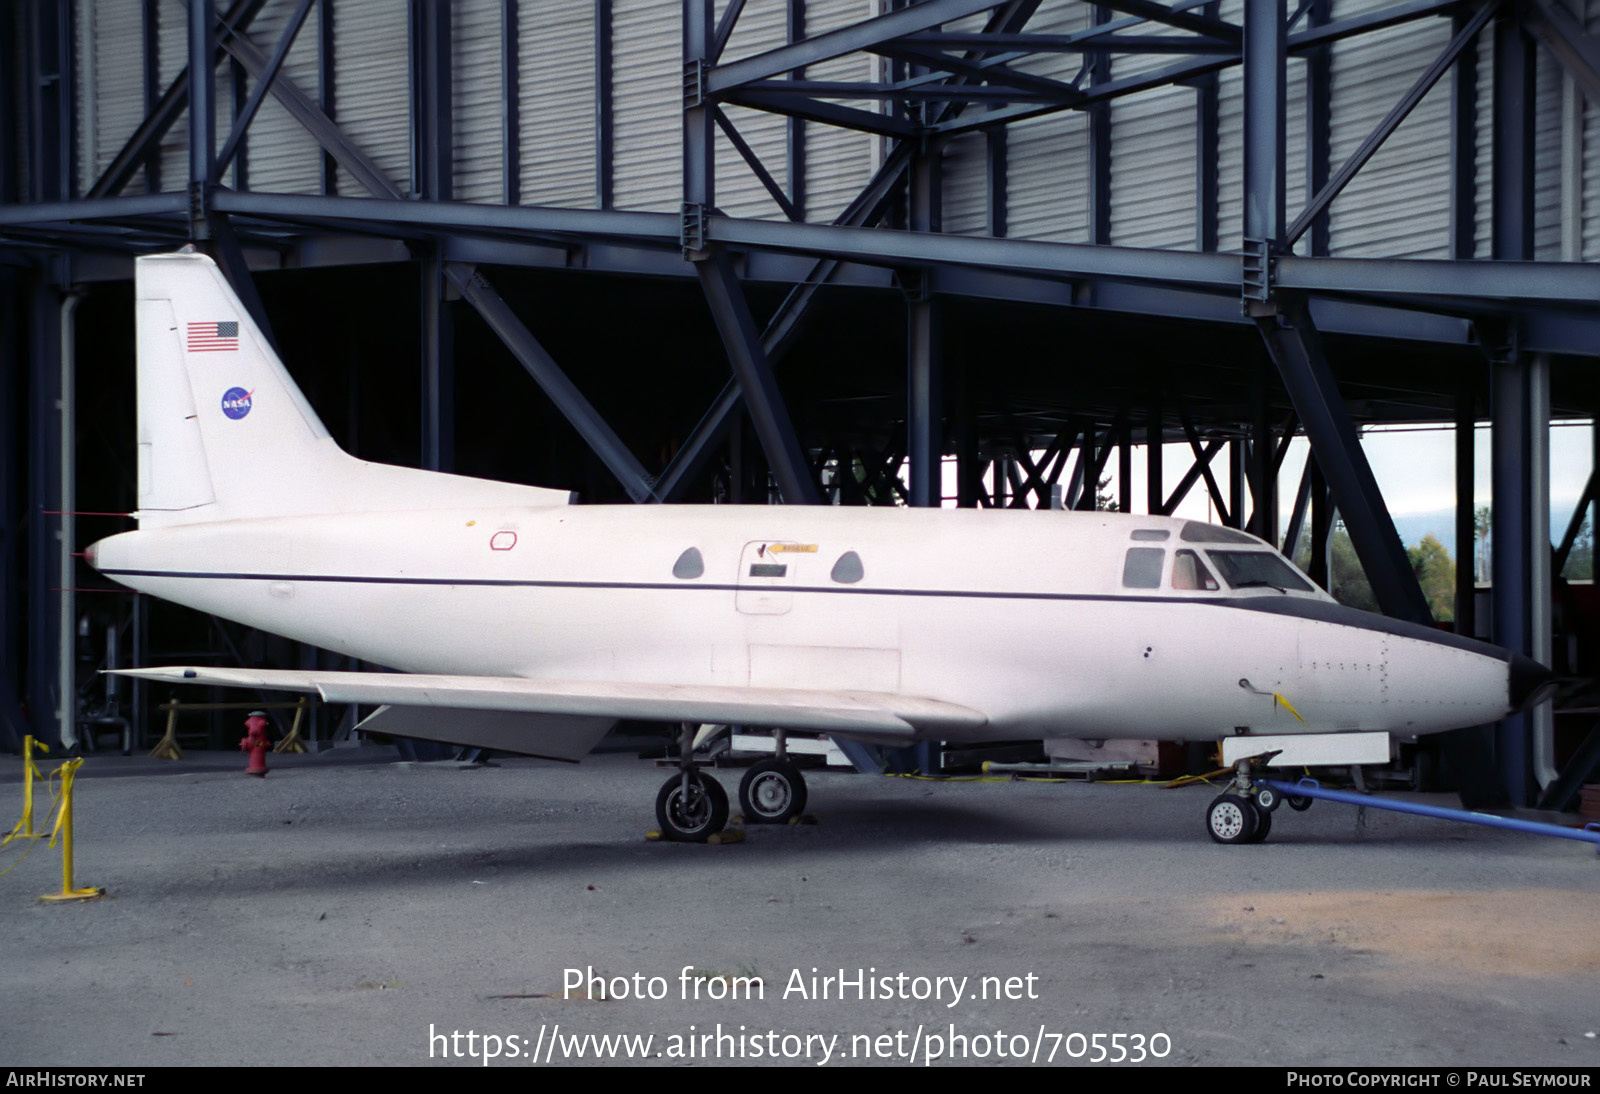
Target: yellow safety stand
{"points": [[30, 772], [63, 828], [167, 748], [293, 743]]}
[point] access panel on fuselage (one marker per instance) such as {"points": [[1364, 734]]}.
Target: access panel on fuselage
{"points": [[769, 570]]}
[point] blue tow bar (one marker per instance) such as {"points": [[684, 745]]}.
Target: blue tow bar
{"points": [[1310, 788]]}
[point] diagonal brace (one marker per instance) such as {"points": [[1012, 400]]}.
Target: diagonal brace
{"points": [[548, 375], [1296, 349]]}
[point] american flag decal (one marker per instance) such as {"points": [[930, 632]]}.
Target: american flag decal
{"points": [[213, 337]]}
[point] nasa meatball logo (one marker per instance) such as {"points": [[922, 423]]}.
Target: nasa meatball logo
{"points": [[236, 402]]}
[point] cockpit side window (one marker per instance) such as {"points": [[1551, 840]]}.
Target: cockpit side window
{"points": [[1142, 568], [1258, 569], [1188, 572]]}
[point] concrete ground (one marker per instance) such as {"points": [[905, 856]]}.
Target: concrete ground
{"points": [[351, 910]]}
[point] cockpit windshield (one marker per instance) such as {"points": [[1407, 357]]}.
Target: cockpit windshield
{"points": [[1258, 570]]}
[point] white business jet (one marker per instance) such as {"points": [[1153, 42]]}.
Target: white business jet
{"points": [[522, 622]]}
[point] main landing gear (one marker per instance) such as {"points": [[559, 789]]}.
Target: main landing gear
{"points": [[692, 806], [772, 792], [1243, 812]]}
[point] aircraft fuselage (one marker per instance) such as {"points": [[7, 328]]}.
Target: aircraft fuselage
{"points": [[1043, 621]]}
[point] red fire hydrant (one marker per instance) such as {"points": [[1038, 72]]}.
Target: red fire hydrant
{"points": [[256, 743]]}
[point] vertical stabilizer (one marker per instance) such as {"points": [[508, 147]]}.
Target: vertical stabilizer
{"points": [[224, 433], [221, 424]]}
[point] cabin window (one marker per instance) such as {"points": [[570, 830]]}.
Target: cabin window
{"points": [[690, 565], [1188, 572], [768, 569], [1258, 569], [1142, 568], [1159, 534], [848, 571]]}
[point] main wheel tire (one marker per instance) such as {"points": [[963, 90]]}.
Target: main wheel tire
{"points": [[696, 817], [1231, 819], [772, 792], [1263, 824]]}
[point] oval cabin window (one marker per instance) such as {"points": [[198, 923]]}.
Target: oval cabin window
{"points": [[848, 571]]}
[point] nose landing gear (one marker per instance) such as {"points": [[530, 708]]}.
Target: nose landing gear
{"points": [[1243, 813]]}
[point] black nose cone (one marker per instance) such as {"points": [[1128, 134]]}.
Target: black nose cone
{"points": [[1530, 682]]}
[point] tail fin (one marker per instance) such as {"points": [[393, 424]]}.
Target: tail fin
{"points": [[224, 433]]}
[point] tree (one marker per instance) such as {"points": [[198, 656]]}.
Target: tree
{"points": [[1480, 527], [1580, 560], [1436, 572], [1347, 581], [1103, 500]]}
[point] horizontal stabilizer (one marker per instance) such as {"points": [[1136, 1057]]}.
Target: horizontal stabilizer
{"points": [[872, 715]]}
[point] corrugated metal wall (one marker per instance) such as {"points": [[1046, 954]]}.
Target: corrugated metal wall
{"points": [[647, 55], [1398, 206], [1153, 145], [283, 157], [555, 52], [109, 84], [372, 82], [839, 162], [477, 101], [1047, 159]]}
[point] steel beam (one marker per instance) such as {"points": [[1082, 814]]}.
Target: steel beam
{"points": [[924, 371], [1296, 349], [572, 404], [13, 504], [604, 115], [754, 374], [1567, 41], [1319, 116], [432, 154], [1099, 142], [438, 400], [511, 108], [699, 148], [1513, 536], [1464, 153], [1154, 440], [327, 91], [47, 492], [224, 249], [836, 43], [246, 114], [1200, 468], [1466, 508], [1265, 56], [1515, 96], [317, 123], [781, 330]]}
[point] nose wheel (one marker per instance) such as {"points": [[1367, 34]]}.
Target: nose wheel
{"points": [[1244, 813], [772, 792]]}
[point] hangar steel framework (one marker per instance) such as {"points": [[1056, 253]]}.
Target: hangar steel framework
{"points": [[1275, 219]]}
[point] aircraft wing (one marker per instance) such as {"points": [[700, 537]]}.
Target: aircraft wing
{"points": [[872, 716]]}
